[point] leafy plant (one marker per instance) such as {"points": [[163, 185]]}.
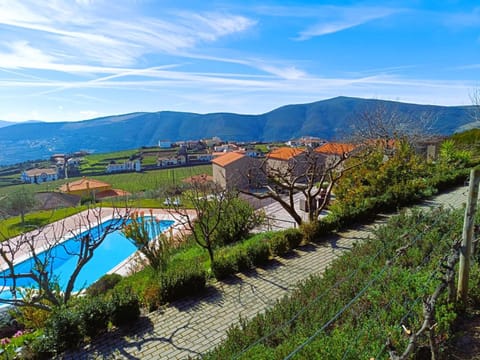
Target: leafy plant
{"points": [[279, 244], [183, 279], [63, 329], [94, 314], [146, 234], [378, 288], [125, 307], [102, 285]]}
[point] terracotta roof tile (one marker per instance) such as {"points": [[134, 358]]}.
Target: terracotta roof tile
{"points": [[83, 184], [111, 193], [284, 153], [335, 148], [228, 158]]}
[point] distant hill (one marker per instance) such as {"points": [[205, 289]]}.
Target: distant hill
{"points": [[4, 123], [325, 119]]}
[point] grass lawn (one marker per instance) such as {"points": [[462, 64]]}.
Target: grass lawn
{"points": [[12, 226], [153, 180]]}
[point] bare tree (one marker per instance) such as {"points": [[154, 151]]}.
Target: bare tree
{"points": [[209, 203], [474, 110], [44, 248], [311, 173], [381, 125]]}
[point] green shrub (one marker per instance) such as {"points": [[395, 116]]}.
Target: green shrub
{"points": [[63, 329], [315, 231], [240, 254], [102, 285], [294, 237], [240, 257], [279, 244], [125, 307], [183, 279], [94, 314], [258, 251], [226, 263], [151, 296], [237, 221]]}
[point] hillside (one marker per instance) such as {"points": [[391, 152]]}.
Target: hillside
{"points": [[325, 119], [4, 123]]}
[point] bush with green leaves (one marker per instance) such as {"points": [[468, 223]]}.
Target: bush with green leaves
{"points": [[237, 221], [314, 231], [63, 329], [279, 244], [229, 261], [22, 345], [183, 279], [104, 284], [294, 237], [242, 256], [125, 307], [258, 250], [94, 314]]}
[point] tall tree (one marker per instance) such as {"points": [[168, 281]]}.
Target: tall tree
{"points": [[44, 246], [19, 202]]}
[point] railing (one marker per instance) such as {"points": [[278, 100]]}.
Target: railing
{"points": [[271, 223]]}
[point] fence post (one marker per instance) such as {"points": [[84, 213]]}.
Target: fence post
{"points": [[467, 236]]}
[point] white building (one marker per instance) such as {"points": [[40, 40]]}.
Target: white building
{"points": [[38, 176], [172, 161], [164, 144], [124, 167]]}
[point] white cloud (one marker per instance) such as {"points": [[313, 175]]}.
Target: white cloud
{"points": [[21, 55], [335, 19], [86, 34]]}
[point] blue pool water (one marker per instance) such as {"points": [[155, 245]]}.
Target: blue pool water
{"points": [[114, 249]]}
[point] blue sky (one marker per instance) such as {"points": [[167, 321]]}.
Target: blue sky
{"points": [[71, 60]]}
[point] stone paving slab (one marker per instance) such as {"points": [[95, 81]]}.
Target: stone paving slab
{"points": [[190, 327]]}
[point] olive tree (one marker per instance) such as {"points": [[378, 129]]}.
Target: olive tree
{"points": [[19, 202]]}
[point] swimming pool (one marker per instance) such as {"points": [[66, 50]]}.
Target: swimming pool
{"points": [[114, 249]]}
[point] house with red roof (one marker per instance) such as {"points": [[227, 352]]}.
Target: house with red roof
{"points": [[237, 170], [91, 188], [338, 149], [287, 161], [333, 151]]}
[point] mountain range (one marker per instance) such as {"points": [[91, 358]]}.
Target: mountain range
{"points": [[326, 119]]}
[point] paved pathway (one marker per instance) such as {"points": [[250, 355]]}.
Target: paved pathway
{"points": [[191, 327]]}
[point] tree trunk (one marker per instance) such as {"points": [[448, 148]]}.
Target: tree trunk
{"points": [[210, 254]]}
